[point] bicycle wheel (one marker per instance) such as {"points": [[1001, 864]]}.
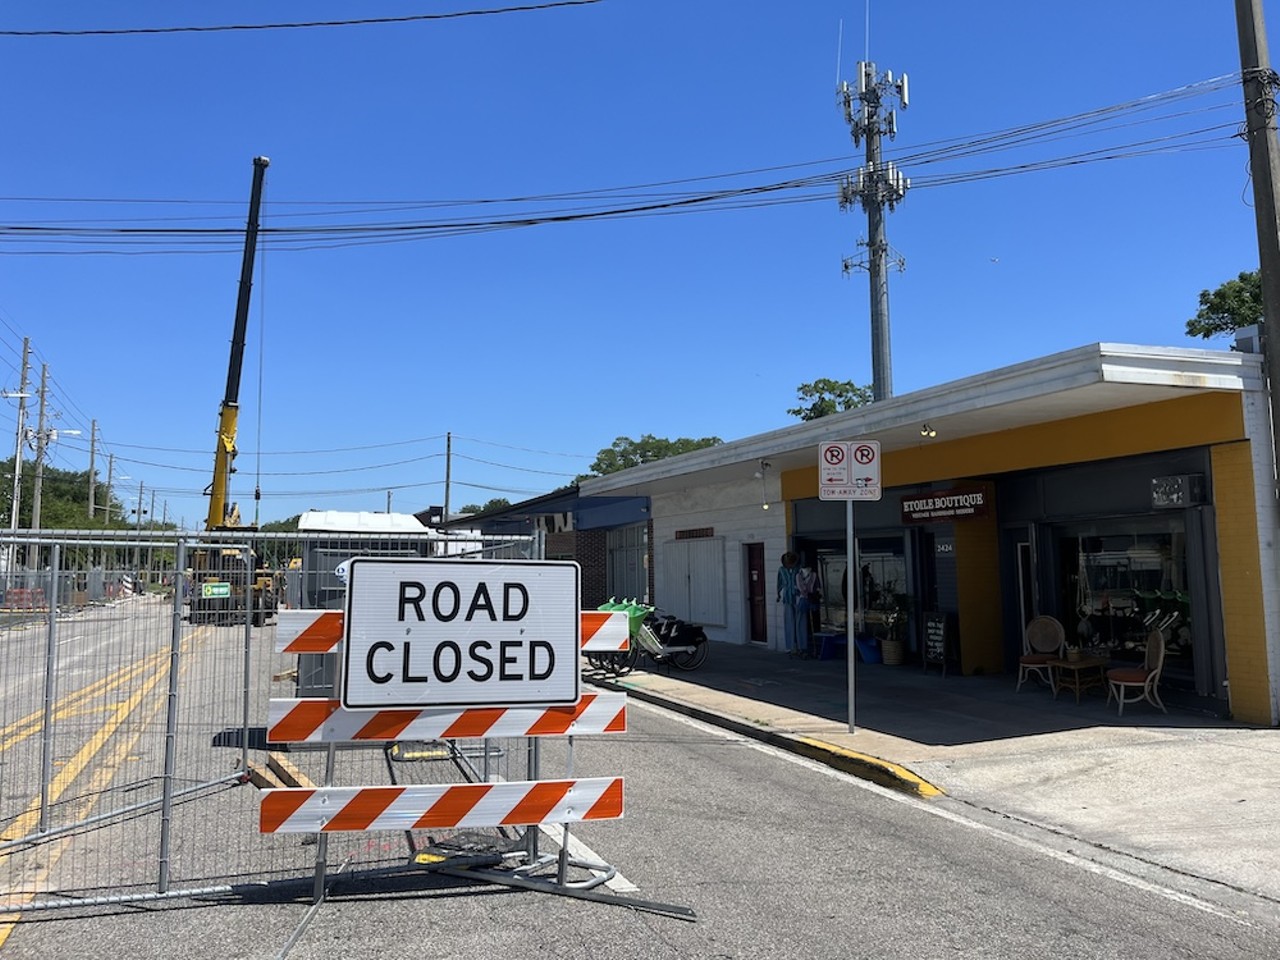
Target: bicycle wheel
{"points": [[691, 660], [620, 664]]}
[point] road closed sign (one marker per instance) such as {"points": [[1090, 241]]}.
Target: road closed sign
{"points": [[470, 633]]}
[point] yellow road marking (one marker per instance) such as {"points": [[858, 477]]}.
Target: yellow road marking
{"points": [[33, 723], [31, 816]]}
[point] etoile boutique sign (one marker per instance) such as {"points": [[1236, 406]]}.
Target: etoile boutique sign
{"points": [[959, 503]]}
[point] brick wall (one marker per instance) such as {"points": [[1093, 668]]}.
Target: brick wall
{"points": [[562, 545], [592, 555]]}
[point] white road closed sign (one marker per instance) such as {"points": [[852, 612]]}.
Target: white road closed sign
{"points": [[469, 633]]}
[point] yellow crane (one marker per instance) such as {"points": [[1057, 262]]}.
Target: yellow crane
{"points": [[226, 588]]}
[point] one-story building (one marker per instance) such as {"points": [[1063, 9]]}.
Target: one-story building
{"points": [[1120, 489]]}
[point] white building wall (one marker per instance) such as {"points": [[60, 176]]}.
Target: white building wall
{"points": [[736, 513], [1257, 426]]}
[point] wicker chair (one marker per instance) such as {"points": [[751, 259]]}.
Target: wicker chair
{"points": [[1043, 640], [1143, 680]]}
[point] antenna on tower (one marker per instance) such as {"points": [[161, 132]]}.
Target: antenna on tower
{"points": [[874, 186], [839, 49]]}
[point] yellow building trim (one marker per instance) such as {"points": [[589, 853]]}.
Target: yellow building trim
{"points": [[1199, 420], [1243, 622], [978, 587], [1203, 419]]}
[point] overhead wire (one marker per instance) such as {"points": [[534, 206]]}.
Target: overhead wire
{"points": [[296, 25], [602, 203]]}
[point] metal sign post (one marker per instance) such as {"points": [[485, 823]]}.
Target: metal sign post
{"points": [[849, 471]]}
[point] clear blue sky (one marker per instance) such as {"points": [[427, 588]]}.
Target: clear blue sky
{"points": [[537, 346]]}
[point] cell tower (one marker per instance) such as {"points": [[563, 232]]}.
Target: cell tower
{"points": [[875, 186]]}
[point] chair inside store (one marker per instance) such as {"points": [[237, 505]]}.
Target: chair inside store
{"points": [[1137, 683], [1043, 641]]}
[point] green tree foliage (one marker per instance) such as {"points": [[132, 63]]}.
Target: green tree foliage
{"points": [[64, 499], [276, 554], [1236, 303], [282, 526], [497, 503], [625, 452], [824, 397]]}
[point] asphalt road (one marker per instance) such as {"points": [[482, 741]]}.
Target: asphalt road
{"points": [[779, 857]]}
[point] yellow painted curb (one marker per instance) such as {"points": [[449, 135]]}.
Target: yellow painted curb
{"points": [[900, 776]]}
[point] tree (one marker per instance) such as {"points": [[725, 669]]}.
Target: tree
{"points": [[274, 553], [64, 499], [625, 452], [282, 526], [826, 397], [1235, 304], [497, 503]]}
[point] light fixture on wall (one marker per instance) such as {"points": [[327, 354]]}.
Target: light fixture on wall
{"points": [[927, 431], [764, 491]]}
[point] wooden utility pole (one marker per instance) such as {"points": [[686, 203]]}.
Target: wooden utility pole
{"points": [[16, 502], [448, 467], [42, 438], [1260, 83], [93, 440]]}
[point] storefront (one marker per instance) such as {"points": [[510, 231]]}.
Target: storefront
{"points": [[1112, 550], [1122, 490]]}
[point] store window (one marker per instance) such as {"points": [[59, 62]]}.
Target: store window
{"points": [[627, 551], [882, 583], [1123, 579]]}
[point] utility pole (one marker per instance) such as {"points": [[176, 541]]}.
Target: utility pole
{"points": [[151, 525], [93, 440], [111, 466], [41, 441], [873, 187], [16, 503], [448, 468], [1260, 85], [137, 550]]}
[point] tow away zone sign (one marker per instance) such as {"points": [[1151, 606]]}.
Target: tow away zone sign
{"points": [[440, 633], [849, 470]]}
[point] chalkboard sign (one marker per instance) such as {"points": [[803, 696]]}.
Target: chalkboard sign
{"points": [[935, 640]]}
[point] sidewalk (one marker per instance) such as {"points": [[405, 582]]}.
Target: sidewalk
{"points": [[1191, 793]]}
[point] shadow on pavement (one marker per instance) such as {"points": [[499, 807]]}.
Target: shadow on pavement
{"points": [[908, 702]]}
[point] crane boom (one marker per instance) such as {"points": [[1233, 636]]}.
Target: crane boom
{"points": [[222, 513]]}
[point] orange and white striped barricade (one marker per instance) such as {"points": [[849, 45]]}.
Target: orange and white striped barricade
{"points": [[513, 803], [327, 721], [320, 631]]}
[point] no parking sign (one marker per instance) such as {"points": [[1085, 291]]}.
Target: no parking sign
{"points": [[849, 470]]}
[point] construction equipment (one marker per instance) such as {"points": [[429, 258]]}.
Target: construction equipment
{"points": [[226, 583]]}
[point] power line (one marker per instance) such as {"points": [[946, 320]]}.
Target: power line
{"points": [[603, 203], [225, 28]]}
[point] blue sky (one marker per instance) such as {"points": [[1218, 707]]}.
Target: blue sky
{"points": [[537, 346]]}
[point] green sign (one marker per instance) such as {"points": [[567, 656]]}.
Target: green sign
{"points": [[213, 591]]}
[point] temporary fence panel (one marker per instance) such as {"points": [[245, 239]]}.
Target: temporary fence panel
{"points": [[121, 719]]}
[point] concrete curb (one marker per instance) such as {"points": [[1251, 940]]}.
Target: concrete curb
{"points": [[861, 765]]}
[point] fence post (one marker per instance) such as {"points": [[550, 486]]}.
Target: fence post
{"points": [[171, 725], [250, 573], [50, 675]]}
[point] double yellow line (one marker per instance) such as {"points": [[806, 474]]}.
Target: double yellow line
{"points": [[16, 732], [73, 703]]}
